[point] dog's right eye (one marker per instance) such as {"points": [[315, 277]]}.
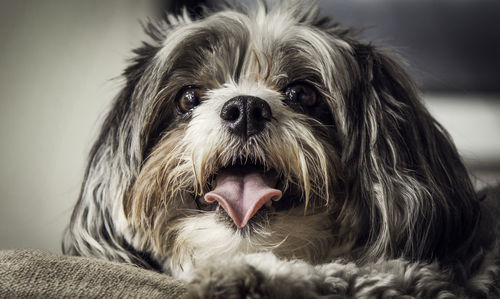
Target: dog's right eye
{"points": [[302, 94], [189, 98]]}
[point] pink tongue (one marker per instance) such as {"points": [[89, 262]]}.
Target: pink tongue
{"points": [[243, 192]]}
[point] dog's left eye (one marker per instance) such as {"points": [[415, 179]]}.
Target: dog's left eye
{"points": [[189, 98], [301, 93]]}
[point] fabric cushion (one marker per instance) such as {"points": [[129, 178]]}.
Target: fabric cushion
{"points": [[33, 273]]}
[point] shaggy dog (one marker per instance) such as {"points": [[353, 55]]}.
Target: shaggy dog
{"points": [[268, 153]]}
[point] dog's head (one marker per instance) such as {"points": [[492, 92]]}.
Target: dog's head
{"points": [[269, 131]]}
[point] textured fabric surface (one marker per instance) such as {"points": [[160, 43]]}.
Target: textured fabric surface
{"points": [[36, 274]]}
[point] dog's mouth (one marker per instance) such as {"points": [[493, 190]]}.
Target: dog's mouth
{"points": [[242, 190]]}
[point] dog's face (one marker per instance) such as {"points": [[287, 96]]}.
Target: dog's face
{"points": [[272, 131], [248, 158]]}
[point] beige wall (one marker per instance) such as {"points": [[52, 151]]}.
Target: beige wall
{"points": [[58, 59]]}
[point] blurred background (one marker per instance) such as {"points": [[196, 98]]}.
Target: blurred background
{"points": [[60, 63]]}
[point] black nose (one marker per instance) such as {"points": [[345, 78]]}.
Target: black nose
{"points": [[246, 115]]}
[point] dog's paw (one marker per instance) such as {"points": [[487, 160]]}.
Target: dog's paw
{"points": [[261, 276], [227, 281], [265, 276]]}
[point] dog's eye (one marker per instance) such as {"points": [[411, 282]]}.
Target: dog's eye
{"points": [[189, 98], [301, 93]]}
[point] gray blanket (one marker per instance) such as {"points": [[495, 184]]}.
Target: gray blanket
{"points": [[36, 274]]}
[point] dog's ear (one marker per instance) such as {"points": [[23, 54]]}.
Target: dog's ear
{"points": [[114, 161], [402, 168]]}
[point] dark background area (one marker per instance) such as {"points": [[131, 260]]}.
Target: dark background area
{"points": [[451, 45]]}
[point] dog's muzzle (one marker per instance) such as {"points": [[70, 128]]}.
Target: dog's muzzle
{"points": [[244, 189]]}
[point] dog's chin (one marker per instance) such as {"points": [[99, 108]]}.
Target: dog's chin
{"points": [[262, 218], [212, 235]]}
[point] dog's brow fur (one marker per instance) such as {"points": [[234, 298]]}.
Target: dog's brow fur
{"points": [[370, 175]]}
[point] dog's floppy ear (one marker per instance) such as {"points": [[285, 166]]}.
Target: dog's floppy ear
{"points": [[402, 168], [114, 161]]}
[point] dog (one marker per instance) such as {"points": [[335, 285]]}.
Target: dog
{"points": [[267, 152]]}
